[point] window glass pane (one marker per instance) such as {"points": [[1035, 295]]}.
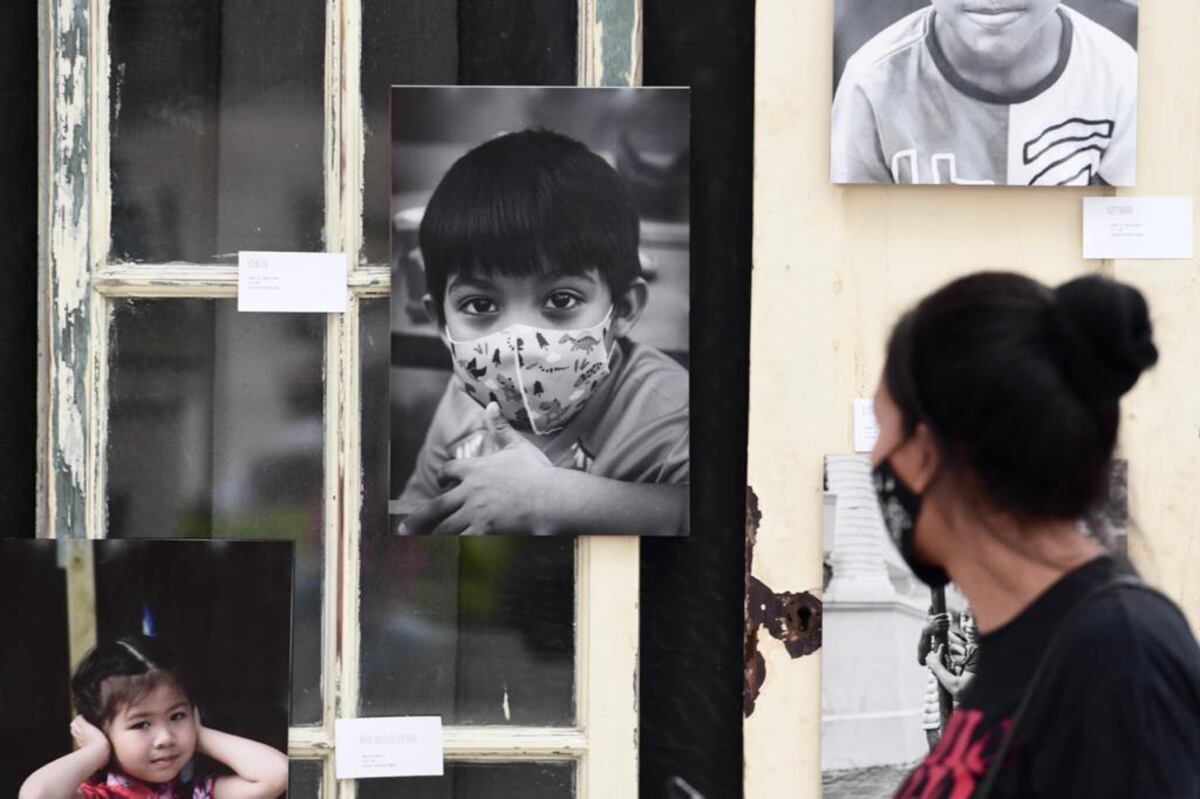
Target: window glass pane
{"points": [[479, 631], [217, 111], [516, 42], [304, 779], [216, 431], [480, 781], [412, 42]]}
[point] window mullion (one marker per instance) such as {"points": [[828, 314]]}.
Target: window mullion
{"points": [[352, 136], [513, 744], [99, 153], [161, 281], [97, 495], [345, 516], [100, 235], [608, 571], [339, 330], [345, 175], [610, 43], [64, 258]]}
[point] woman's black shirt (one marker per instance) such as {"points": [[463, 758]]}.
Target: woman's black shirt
{"points": [[1117, 715]]}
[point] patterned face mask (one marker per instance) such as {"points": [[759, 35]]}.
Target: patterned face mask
{"points": [[540, 377]]}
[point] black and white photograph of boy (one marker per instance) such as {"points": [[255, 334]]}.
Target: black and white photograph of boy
{"points": [[540, 298], [139, 669], [985, 92]]}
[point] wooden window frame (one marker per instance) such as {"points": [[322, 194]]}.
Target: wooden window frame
{"points": [[77, 287]]}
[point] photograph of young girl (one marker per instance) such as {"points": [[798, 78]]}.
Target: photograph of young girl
{"points": [[981, 92], [540, 299], [152, 669]]}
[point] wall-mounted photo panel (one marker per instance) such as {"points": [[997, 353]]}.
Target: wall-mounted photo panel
{"points": [[1005, 92], [138, 668], [883, 704], [539, 312]]}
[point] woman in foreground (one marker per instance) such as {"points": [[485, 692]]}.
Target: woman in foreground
{"points": [[998, 412]]}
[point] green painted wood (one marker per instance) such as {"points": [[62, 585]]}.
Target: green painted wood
{"points": [[619, 22], [65, 256]]}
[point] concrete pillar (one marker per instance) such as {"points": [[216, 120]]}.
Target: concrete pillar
{"points": [[859, 573]]}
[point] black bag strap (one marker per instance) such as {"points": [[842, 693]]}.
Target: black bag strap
{"points": [[1048, 659]]}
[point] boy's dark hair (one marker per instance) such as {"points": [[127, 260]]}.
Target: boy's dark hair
{"points": [[1020, 383], [120, 672], [530, 203]]}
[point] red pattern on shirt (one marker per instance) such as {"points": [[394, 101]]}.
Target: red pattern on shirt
{"points": [[958, 761], [120, 786]]}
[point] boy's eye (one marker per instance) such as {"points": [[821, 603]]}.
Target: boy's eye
{"points": [[178, 715], [563, 300], [141, 725], [477, 305]]}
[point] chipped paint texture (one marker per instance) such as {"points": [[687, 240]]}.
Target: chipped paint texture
{"points": [[834, 266], [67, 257], [610, 42]]}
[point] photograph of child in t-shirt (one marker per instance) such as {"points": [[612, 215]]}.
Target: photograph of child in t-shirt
{"points": [[556, 419], [980, 92]]}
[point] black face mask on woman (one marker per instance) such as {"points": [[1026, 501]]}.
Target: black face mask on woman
{"points": [[900, 506]]}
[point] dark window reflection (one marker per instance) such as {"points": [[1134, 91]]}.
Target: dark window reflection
{"points": [[216, 431], [411, 42], [480, 781], [35, 705], [433, 42], [518, 42], [479, 631], [304, 779], [217, 115]]}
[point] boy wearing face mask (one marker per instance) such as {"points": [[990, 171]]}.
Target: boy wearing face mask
{"points": [[1017, 92], [554, 421]]}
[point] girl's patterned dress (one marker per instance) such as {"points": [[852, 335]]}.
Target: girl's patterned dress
{"points": [[119, 786]]}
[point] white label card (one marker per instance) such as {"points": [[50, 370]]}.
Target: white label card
{"points": [[402, 746], [292, 282], [1137, 228], [866, 428]]}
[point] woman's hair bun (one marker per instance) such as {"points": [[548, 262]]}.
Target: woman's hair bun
{"points": [[1104, 335]]}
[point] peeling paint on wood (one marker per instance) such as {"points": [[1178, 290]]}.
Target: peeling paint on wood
{"points": [[66, 255], [610, 36], [77, 291], [793, 618]]}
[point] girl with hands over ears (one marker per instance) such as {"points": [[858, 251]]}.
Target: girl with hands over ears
{"points": [[137, 730]]}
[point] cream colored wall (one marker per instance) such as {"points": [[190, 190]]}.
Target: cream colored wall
{"points": [[833, 266]]}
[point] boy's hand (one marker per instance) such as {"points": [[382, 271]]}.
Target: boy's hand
{"points": [[933, 657], [504, 437], [494, 494], [88, 735]]}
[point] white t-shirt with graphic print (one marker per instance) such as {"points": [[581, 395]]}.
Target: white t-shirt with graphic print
{"points": [[901, 114]]}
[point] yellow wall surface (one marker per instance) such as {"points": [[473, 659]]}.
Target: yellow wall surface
{"points": [[835, 265]]}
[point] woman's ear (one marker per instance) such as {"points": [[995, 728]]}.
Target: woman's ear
{"points": [[628, 307], [916, 461], [927, 457]]}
